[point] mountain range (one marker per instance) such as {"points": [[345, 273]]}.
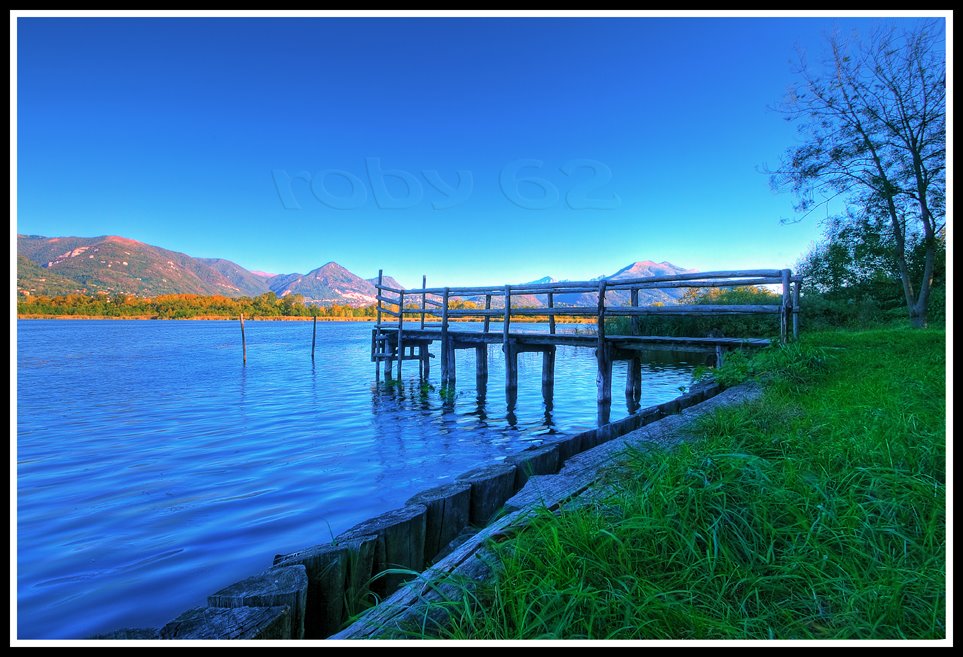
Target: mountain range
{"points": [[111, 264]]}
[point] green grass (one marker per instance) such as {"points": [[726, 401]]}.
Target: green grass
{"points": [[816, 513]]}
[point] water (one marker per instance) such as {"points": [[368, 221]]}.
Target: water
{"points": [[154, 469]]}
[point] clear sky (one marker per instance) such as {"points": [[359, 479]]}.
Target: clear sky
{"points": [[417, 145]]}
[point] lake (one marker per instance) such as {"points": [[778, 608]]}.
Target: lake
{"points": [[153, 468]]}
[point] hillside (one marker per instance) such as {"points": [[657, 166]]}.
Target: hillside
{"points": [[34, 279], [115, 264]]}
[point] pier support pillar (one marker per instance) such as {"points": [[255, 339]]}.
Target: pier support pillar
{"points": [[449, 358], [548, 374], [481, 367], [511, 374], [633, 384], [604, 382], [425, 359], [389, 363]]}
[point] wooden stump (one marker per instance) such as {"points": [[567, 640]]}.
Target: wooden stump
{"points": [[329, 570], [208, 623], [400, 543], [281, 586], [447, 512], [530, 462], [490, 487]]}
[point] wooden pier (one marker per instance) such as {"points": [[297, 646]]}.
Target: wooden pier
{"points": [[395, 341]]}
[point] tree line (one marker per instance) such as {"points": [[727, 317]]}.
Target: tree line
{"points": [[183, 306], [188, 306]]}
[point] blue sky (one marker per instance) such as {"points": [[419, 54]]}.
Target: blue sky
{"points": [[471, 150]]}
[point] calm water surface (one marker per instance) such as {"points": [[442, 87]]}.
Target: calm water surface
{"points": [[154, 469]]}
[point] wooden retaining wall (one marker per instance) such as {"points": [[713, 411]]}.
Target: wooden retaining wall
{"points": [[312, 593]]}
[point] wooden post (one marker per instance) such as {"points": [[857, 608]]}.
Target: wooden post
{"points": [[452, 363], [511, 375], [481, 366], [786, 306], [423, 361], [633, 379], [551, 318], [401, 323], [636, 321], [314, 335], [508, 314], [243, 341], [390, 360], [424, 299], [445, 365], [511, 355], [795, 310], [548, 373], [604, 377], [378, 344], [488, 306]]}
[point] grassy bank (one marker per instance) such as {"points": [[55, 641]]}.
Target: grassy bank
{"points": [[817, 513]]}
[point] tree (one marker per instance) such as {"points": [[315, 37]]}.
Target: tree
{"points": [[873, 123]]}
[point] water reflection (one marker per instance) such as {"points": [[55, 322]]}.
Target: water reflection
{"points": [[188, 452], [654, 369]]}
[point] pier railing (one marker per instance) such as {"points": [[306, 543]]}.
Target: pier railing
{"points": [[431, 311]]}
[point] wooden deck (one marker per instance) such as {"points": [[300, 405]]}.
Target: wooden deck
{"points": [[398, 341]]}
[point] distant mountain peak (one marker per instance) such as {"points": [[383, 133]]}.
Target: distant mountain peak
{"points": [[387, 280], [647, 268]]}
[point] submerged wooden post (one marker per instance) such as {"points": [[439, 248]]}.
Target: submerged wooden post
{"points": [[548, 373], [604, 377], [452, 363], [401, 323], [424, 298], [786, 307], [314, 335], [551, 316], [243, 341], [511, 355], [633, 378], [389, 358], [378, 344], [445, 365], [423, 359], [481, 366], [511, 375], [795, 310]]}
